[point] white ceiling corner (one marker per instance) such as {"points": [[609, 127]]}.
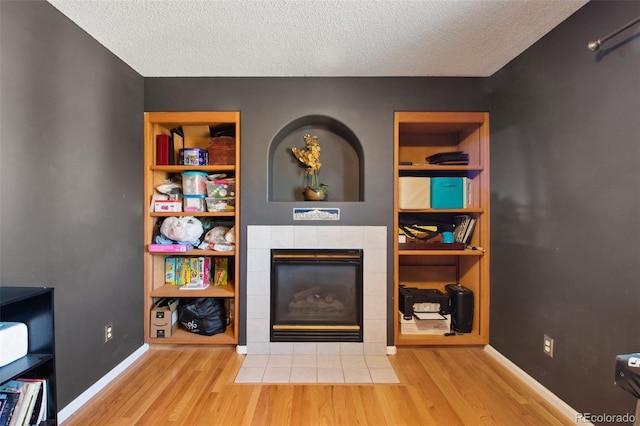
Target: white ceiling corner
{"points": [[290, 38]]}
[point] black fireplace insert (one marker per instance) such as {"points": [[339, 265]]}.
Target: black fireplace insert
{"points": [[316, 295]]}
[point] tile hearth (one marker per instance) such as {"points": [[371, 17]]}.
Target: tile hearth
{"points": [[322, 362], [304, 368]]}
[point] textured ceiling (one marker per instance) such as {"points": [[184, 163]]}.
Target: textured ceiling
{"points": [[269, 38]]}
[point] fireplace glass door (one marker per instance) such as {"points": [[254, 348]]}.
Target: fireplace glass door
{"points": [[316, 295]]}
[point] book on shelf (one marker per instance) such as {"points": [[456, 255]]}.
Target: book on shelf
{"points": [[461, 222], [28, 390], [39, 412], [464, 227], [469, 231], [8, 402]]}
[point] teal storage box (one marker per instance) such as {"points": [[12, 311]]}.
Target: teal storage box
{"points": [[447, 192]]}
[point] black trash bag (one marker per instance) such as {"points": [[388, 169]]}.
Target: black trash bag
{"points": [[203, 315]]}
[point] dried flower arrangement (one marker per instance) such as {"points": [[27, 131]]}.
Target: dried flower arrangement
{"points": [[310, 158]]}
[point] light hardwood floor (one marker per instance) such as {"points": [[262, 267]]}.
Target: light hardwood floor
{"points": [[194, 385]]}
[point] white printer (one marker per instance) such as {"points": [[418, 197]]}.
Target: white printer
{"points": [[14, 342]]}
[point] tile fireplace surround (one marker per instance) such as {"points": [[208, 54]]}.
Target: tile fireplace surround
{"points": [[373, 240]]}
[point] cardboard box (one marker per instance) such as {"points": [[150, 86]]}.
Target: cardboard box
{"points": [[414, 192], [426, 326], [164, 318], [170, 270], [167, 206], [220, 271]]}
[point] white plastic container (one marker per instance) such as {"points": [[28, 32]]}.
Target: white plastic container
{"points": [[221, 188], [194, 183], [221, 204], [193, 203]]}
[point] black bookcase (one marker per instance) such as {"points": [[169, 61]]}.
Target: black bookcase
{"points": [[34, 307]]}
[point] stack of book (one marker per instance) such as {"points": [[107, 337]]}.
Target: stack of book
{"points": [[451, 158], [23, 402], [463, 230]]}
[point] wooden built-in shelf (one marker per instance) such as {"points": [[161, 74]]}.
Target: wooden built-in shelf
{"points": [[417, 136], [196, 132]]}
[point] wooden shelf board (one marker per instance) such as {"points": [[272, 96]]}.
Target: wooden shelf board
{"points": [[23, 364], [194, 253], [427, 339], [182, 168], [182, 336], [440, 253], [439, 168], [457, 211], [211, 291], [230, 213]]}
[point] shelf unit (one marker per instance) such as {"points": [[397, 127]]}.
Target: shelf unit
{"points": [[418, 135], [33, 306], [157, 123]]}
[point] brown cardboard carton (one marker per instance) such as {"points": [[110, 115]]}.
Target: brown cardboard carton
{"points": [[164, 318]]}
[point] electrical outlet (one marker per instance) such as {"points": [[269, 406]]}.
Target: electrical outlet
{"points": [[108, 332], [547, 347]]}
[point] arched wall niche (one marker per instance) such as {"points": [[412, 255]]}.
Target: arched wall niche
{"points": [[341, 156]]}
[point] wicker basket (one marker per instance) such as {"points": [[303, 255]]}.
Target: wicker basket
{"points": [[222, 150]]}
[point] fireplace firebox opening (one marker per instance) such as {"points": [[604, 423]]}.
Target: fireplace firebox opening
{"points": [[316, 295]]}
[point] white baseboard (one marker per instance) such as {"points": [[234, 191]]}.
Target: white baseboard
{"points": [[241, 349], [545, 393], [392, 350], [85, 396]]}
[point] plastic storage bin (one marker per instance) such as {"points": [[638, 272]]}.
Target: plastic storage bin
{"points": [[194, 183], [193, 203], [215, 204], [221, 188]]}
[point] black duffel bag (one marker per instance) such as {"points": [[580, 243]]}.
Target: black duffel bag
{"points": [[203, 315]]}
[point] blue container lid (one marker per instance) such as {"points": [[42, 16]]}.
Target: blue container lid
{"points": [[194, 196], [195, 173]]}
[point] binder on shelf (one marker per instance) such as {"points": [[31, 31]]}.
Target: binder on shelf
{"points": [[163, 145]]}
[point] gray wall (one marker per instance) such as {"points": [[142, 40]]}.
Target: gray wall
{"points": [[364, 105], [565, 220], [564, 181], [71, 186]]}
